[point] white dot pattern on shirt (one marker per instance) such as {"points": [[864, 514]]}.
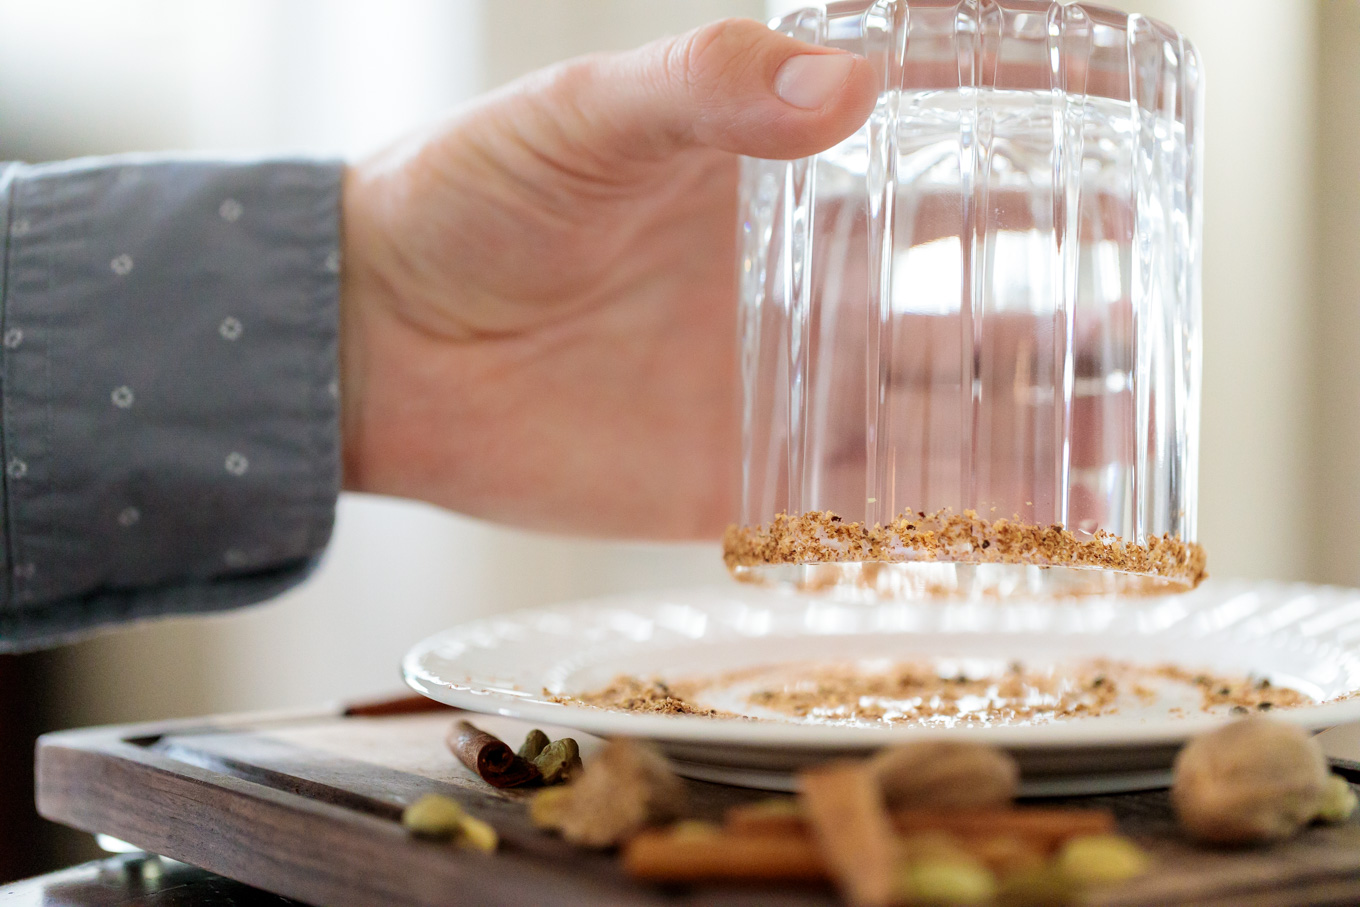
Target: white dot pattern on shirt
{"points": [[241, 239], [25, 571], [334, 389], [235, 557], [20, 227]]}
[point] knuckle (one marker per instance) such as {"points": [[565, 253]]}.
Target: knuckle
{"points": [[713, 53], [574, 77]]}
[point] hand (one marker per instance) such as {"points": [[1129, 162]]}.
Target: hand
{"points": [[539, 294]]}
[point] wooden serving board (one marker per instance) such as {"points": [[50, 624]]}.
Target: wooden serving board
{"points": [[308, 805]]}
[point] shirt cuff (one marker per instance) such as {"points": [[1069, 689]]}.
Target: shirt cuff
{"points": [[170, 431]]}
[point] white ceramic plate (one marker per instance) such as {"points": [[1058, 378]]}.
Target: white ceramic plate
{"points": [[1305, 637]]}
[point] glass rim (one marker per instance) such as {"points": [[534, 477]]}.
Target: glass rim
{"points": [[965, 538]]}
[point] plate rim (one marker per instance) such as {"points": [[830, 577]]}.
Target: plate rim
{"points": [[1113, 733]]}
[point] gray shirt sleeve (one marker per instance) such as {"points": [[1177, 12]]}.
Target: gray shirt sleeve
{"points": [[168, 387]]}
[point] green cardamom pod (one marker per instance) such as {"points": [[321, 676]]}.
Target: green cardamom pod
{"points": [[434, 816], [558, 760], [533, 744]]}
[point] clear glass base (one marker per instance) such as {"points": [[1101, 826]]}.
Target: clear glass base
{"points": [[920, 580]]}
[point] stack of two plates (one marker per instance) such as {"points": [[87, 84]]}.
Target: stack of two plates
{"points": [[1303, 637]]}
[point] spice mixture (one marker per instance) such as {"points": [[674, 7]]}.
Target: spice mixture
{"points": [[825, 537], [633, 694], [937, 693]]}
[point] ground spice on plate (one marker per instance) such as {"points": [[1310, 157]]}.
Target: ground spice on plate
{"points": [[633, 694], [925, 693]]}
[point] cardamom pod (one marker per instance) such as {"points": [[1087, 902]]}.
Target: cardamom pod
{"points": [[558, 760], [433, 816], [948, 880], [533, 744], [548, 807], [1338, 801], [477, 835], [1102, 860]]}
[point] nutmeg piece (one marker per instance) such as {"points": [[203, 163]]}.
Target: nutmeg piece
{"points": [[626, 787], [1253, 780], [940, 774]]}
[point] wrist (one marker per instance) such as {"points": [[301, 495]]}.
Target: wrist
{"points": [[396, 371], [357, 293]]}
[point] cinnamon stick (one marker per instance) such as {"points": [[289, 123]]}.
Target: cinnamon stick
{"points": [[1044, 827], [659, 856], [844, 806], [490, 757], [759, 819], [728, 856], [398, 705]]}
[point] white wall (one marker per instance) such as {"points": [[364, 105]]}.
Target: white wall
{"points": [[1259, 287], [1336, 337]]}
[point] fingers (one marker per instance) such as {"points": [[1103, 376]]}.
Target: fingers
{"points": [[734, 85]]}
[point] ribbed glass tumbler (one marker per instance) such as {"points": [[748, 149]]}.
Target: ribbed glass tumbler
{"points": [[970, 333]]}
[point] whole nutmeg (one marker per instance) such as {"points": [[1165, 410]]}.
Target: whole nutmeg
{"points": [[1252, 780], [939, 774]]}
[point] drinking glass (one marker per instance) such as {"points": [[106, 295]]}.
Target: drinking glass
{"points": [[970, 333]]}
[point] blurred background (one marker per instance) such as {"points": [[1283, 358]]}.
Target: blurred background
{"points": [[1280, 483]]}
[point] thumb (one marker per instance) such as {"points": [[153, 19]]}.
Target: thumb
{"points": [[733, 85]]}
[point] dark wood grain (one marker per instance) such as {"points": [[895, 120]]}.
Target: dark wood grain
{"points": [[282, 820], [308, 807]]}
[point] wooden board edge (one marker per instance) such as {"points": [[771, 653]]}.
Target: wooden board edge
{"points": [[99, 736], [314, 852]]}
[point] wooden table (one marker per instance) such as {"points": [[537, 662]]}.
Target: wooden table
{"points": [[306, 806]]}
